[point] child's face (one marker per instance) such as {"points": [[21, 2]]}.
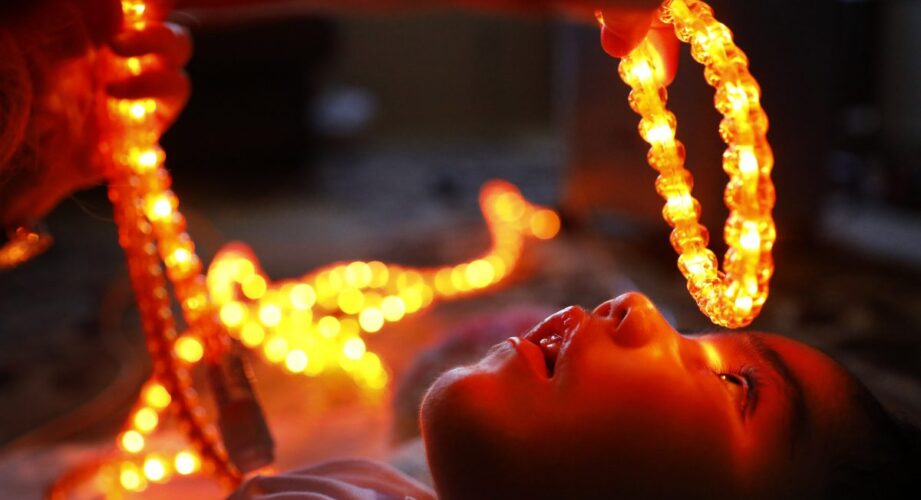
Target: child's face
{"points": [[623, 405]]}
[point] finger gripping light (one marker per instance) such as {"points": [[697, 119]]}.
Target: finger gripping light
{"points": [[734, 296], [236, 301]]}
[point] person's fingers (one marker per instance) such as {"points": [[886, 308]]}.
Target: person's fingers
{"points": [[169, 87], [170, 41], [667, 45], [621, 33], [622, 30]]}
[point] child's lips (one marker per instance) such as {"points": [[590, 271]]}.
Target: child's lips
{"points": [[549, 338]]}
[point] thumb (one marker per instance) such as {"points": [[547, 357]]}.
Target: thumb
{"points": [[621, 33], [622, 30]]}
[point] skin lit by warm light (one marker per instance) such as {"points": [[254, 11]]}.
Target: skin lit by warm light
{"points": [[132, 441], [714, 359], [189, 349], [749, 196], [146, 420], [187, 462]]}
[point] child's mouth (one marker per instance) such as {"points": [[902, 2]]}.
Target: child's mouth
{"points": [[553, 333]]}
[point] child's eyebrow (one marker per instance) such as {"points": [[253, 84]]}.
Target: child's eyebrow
{"points": [[792, 388], [696, 332]]}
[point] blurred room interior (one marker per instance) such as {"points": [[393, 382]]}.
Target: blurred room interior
{"points": [[318, 138]]}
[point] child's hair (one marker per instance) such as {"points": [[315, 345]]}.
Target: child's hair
{"points": [[886, 465]]}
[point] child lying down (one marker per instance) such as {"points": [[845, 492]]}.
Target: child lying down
{"points": [[615, 403]]}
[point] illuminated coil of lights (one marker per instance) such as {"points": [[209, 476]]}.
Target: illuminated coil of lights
{"points": [[734, 296], [23, 245], [152, 233], [161, 255], [317, 322]]}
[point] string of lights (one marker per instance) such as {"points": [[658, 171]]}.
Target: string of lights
{"points": [[734, 296], [308, 325]]}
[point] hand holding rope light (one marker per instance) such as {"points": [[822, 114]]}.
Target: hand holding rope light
{"points": [[732, 297], [367, 294], [161, 257]]}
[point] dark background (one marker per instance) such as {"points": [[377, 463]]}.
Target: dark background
{"points": [[317, 139]]}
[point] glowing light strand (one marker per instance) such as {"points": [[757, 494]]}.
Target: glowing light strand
{"points": [[150, 231], [22, 245], [732, 297], [160, 254], [316, 323]]}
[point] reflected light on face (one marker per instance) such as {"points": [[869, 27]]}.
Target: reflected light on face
{"points": [[616, 400]]}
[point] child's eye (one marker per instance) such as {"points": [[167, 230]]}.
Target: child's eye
{"points": [[737, 386]]}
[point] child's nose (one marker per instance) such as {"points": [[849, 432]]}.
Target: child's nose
{"points": [[635, 320]]}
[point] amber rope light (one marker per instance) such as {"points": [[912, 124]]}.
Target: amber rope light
{"points": [[316, 322], [310, 325], [732, 297], [21, 246]]}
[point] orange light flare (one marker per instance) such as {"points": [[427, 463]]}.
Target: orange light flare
{"points": [[317, 322], [734, 296]]}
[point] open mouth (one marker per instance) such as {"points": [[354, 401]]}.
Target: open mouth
{"points": [[551, 335]]}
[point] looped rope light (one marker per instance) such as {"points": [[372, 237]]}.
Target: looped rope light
{"points": [[734, 296], [322, 314]]}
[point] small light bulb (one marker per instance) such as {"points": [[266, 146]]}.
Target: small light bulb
{"points": [[187, 462], [371, 320], [132, 441]]}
